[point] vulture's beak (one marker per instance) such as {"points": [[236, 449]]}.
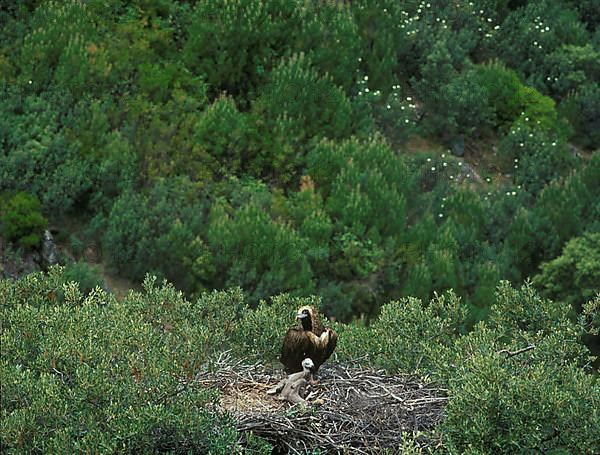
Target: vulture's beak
{"points": [[301, 315]]}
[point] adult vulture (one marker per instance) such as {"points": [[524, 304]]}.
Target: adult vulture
{"points": [[308, 340]]}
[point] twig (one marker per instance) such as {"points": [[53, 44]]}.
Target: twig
{"points": [[513, 353]]}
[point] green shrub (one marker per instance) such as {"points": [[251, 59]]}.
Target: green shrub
{"points": [[158, 231], [573, 276], [258, 253], [21, 219], [96, 374], [39, 157], [503, 87], [369, 180], [409, 335], [535, 156], [571, 67], [532, 33], [220, 143], [297, 105], [85, 275], [520, 394], [581, 110], [242, 42], [518, 404]]}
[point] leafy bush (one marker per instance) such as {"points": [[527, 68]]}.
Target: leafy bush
{"points": [[532, 32], [158, 231], [573, 277], [297, 106], [97, 374], [22, 220], [461, 106], [241, 43], [536, 156], [220, 143], [581, 110], [256, 252], [94, 373], [85, 275], [522, 404], [519, 393]]}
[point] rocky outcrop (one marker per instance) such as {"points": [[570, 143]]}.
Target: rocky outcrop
{"points": [[49, 250]]}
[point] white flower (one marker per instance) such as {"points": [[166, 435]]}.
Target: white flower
{"points": [[433, 168], [366, 78]]}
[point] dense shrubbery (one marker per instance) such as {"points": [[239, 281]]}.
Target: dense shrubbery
{"points": [[21, 219], [92, 373]]}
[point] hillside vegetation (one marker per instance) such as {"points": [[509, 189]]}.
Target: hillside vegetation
{"points": [[96, 374], [364, 152]]}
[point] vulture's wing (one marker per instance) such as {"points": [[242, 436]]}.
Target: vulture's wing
{"points": [[331, 345], [325, 350], [296, 347]]}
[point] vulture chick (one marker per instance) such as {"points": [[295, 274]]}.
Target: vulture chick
{"points": [[309, 340], [293, 387]]}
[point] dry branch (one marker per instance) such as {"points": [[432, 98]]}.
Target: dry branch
{"points": [[513, 353]]}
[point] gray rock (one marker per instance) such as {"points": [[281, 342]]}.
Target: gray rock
{"points": [[458, 146], [49, 250]]}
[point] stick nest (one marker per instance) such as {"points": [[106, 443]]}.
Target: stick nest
{"points": [[350, 409]]}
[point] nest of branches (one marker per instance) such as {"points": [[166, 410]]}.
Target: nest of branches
{"points": [[349, 409]]}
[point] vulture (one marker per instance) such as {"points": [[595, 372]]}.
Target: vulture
{"points": [[293, 387], [308, 340]]}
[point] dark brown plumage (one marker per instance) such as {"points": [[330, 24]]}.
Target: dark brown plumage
{"points": [[309, 340]]}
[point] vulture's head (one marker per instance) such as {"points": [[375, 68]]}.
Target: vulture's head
{"points": [[307, 317], [307, 364]]}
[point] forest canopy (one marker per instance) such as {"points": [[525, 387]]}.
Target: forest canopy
{"points": [[275, 145]]}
